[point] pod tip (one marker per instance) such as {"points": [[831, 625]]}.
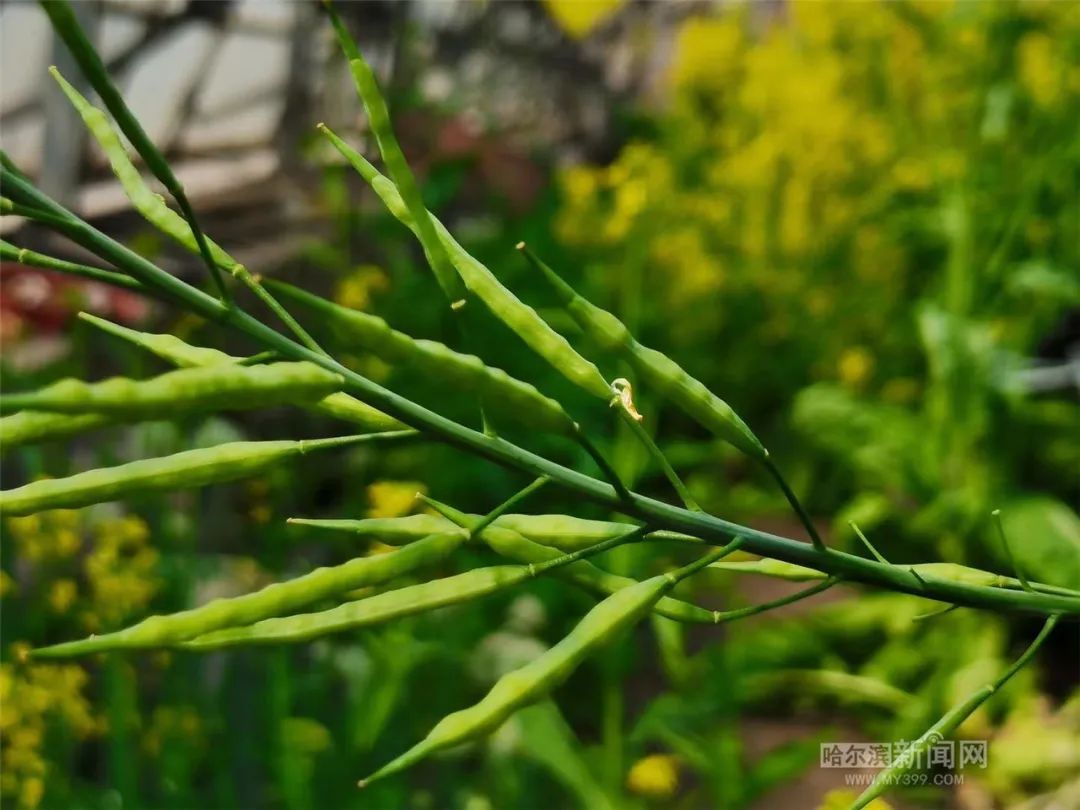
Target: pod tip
{"points": [[362, 783], [520, 246], [996, 513], [456, 305]]}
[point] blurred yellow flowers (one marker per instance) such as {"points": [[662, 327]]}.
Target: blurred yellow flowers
{"points": [[655, 776]]}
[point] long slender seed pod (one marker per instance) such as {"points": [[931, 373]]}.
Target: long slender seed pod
{"points": [[392, 531], [188, 390], [367, 612], [273, 600], [187, 470], [539, 677], [67, 26], [507, 454], [498, 391], [367, 88], [371, 97], [772, 568], [31, 258], [157, 213], [953, 572], [173, 350], [393, 604], [34, 427], [659, 372], [520, 317], [168, 347], [563, 532], [949, 722], [582, 573]]}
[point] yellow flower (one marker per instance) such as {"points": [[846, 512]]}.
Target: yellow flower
{"points": [[655, 776], [32, 791], [578, 17], [120, 570], [854, 366], [1040, 69], [62, 593], [356, 289], [33, 698], [390, 499], [841, 798], [707, 50], [52, 535]]}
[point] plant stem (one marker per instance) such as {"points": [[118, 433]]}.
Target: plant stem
{"points": [[507, 505], [253, 284], [32, 258], [658, 456], [807, 523], [712, 529], [1008, 552], [732, 615]]}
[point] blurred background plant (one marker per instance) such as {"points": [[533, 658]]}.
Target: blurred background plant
{"points": [[857, 222]]}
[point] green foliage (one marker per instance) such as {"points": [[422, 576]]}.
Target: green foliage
{"points": [[893, 451]]}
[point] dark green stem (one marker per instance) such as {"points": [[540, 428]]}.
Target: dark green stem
{"points": [[1008, 552], [507, 505], [807, 523], [741, 613], [658, 456]]}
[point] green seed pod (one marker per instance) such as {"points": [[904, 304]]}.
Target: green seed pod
{"points": [[772, 568], [509, 543], [187, 470], [392, 531], [385, 606], [66, 25], [656, 370], [373, 610], [563, 532], [173, 350], [517, 315], [169, 348], [185, 391], [499, 391], [379, 118], [273, 600], [961, 574], [34, 427], [569, 533], [539, 677]]}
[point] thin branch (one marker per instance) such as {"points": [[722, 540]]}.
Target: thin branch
{"points": [[731, 615], [507, 505]]}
